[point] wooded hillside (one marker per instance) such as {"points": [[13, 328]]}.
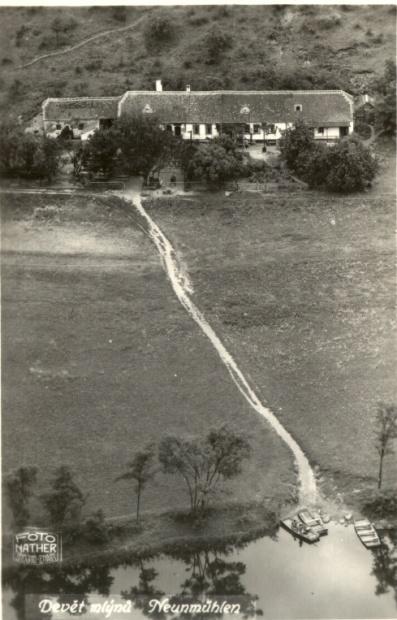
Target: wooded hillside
{"points": [[222, 47]]}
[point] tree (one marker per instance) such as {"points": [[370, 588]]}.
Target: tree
{"points": [[47, 158], [215, 164], [57, 25], [10, 136], [144, 145], [27, 155], [135, 144], [77, 160], [204, 463], [313, 166], [65, 501], [95, 528], [18, 486], [386, 431], [159, 30], [141, 469], [216, 42], [385, 106], [348, 166], [60, 26], [351, 166], [100, 152], [295, 143]]}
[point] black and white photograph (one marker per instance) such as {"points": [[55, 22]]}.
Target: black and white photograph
{"points": [[198, 310]]}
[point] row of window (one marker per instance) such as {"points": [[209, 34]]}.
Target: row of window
{"points": [[209, 129], [196, 128], [79, 126]]}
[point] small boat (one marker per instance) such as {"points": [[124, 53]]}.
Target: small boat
{"points": [[313, 521], [367, 533], [299, 529]]}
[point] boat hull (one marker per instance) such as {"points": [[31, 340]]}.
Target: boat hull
{"points": [[367, 534], [308, 536]]}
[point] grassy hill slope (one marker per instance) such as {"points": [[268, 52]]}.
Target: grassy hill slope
{"points": [[206, 46]]}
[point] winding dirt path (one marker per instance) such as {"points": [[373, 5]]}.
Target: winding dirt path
{"points": [[95, 37], [182, 289]]}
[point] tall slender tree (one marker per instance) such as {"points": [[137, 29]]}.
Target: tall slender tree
{"points": [[386, 431], [141, 469], [18, 486]]}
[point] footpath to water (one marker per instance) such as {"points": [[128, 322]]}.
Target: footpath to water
{"points": [[183, 290]]}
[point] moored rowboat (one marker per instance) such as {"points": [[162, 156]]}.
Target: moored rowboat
{"points": [[300, 530], [367, 533]]}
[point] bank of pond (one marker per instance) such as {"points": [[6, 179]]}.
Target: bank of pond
{"points": [[277, 575]]}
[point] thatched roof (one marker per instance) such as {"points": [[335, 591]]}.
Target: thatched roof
{"points": [[80, 108], [317, 107]]}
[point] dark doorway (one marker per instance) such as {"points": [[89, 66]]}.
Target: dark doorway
{"points": [[178, 130], [343, 131]]}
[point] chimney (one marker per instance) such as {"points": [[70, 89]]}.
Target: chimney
{"points": [[159, 86], [188, 88]]}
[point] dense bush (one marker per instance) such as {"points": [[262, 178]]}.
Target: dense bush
{"points": [[346, 167], [20, 33], [159, 30], [94, 65], [119, 13], [27, 155], [133, 145], [18, 487], [65, 501], [95, 529], [295, 142], [385, 108], [100, 153], [363, 130], [16, 90], [381, 504], [214, 163], [215, 43], [349, 166], [258, 171]]}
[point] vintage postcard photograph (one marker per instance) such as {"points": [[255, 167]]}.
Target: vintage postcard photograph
{"points": [[198, 309]]}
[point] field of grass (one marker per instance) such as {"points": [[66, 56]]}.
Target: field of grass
{"points": [[99, 357], [302, 290], [269, 47]]}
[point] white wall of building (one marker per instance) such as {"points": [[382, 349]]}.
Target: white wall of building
{"points": [[327, 133], [79, 128]]}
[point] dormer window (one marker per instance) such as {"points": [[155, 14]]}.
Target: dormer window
{"points": [[298, 107]]}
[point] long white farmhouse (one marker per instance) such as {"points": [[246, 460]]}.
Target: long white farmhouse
{"points": [[202, 115]]}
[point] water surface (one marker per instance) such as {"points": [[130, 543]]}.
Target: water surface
{"points": [[334, 578]]}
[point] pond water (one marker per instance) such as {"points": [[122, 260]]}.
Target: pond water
{"points": [[334, 578]]}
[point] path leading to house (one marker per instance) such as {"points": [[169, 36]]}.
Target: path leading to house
{"points": [[95, 37], [182, 289]]}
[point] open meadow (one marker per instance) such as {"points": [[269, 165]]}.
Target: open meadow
{"points": [[99, 357], [301, 289]]}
